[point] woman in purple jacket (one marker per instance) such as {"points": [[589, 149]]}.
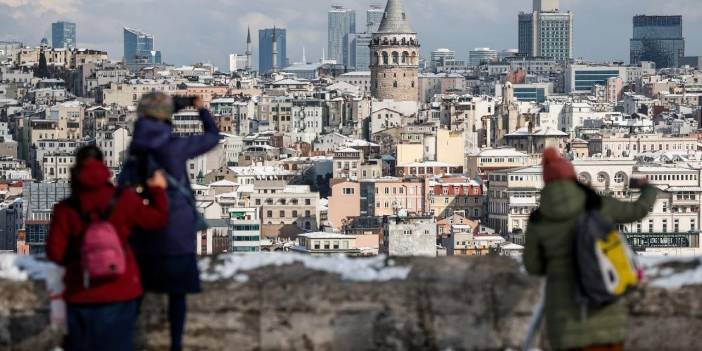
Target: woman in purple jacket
{"points": [[167, 259]]}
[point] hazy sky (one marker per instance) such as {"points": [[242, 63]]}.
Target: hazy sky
{"points": [[189, 31]]}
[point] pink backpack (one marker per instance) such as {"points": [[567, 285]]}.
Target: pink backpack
{"points": [[102, 252]]}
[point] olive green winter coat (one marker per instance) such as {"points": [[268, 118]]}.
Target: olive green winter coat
{"points": [[548, 251]]}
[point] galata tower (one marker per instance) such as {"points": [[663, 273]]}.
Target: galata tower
{"points": [[394, 57]]}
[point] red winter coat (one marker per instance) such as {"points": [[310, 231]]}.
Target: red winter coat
{"points": [[67, 229]]}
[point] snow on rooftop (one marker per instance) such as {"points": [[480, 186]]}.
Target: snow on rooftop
{"points": [[538, 132], [259, 171], [73, 103], [501, 152], [198, 187], [298, 189], [347, 149], [354, 269], [512, 246], [359, 143], [428, 164], [223, 182], [325, 235]]}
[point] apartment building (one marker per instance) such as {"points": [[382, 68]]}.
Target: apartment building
{"points": [[409, 236], [245, 229], [284, 205]]}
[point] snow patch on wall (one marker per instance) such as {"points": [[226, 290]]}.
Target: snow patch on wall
{"points": [[354, 269], [672, 272], [21, 268]]}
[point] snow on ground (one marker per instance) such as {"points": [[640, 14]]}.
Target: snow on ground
{"points": [[355, 269]]}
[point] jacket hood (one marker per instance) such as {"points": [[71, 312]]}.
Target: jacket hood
{"points": [[150, 134], [562, 200], [94, 175]]}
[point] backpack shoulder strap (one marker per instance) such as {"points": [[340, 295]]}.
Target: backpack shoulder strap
{"points": [[113, 203], [181, 186], [74, 203], [593, 201]]}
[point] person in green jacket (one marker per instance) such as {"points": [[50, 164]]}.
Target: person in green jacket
{"points": [[548, 252]]}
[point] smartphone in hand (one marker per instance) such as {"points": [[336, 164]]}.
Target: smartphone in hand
{"points": [[182, 102]]}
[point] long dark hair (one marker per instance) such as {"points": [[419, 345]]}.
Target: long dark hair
{"points": [[83, 154]]}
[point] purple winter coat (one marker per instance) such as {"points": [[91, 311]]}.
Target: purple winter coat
{"points": [[172, 152]]}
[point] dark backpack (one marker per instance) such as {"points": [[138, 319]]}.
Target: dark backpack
{"points": [[606, 267]]}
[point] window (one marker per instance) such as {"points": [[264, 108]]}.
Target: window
{"points": [[282, 213], [620, 177], [348, 191], [665, 225], [269, 213], [308, 202]]}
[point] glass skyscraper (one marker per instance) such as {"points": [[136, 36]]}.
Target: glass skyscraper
{"points": [[139, 48], [374, 16], [342, 22], [546, 31], [63, 35], [658, 39], [360, 51], [265, 49]]}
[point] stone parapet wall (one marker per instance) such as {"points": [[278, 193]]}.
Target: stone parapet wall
{"points": [[446, 303]]}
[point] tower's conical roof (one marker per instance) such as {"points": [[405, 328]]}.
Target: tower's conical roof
{"points": [[394, 19], [248, 36]]}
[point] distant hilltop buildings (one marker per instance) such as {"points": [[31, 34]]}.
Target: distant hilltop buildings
{"points": [[373, 148]]}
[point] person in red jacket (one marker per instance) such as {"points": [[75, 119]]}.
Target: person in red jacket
{"points": [[101, 316]]}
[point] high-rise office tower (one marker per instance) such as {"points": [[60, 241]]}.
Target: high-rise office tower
{"points": [[274, 53], [546, 5], [139, 48], [342, 23], [658, 39], [546, 31], [265, 49], [63, 35], [395, 57], [374, 16], [360, 51]]}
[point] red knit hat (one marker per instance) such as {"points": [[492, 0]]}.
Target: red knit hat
{"points": [[556, 167]]}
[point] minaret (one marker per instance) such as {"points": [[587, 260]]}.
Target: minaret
{"points": [[248, 50], [275, 53], [395, 57]]}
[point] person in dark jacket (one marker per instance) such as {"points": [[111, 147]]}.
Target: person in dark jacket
{"points": [[101, 316], [167, 258], [548, 251]]}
